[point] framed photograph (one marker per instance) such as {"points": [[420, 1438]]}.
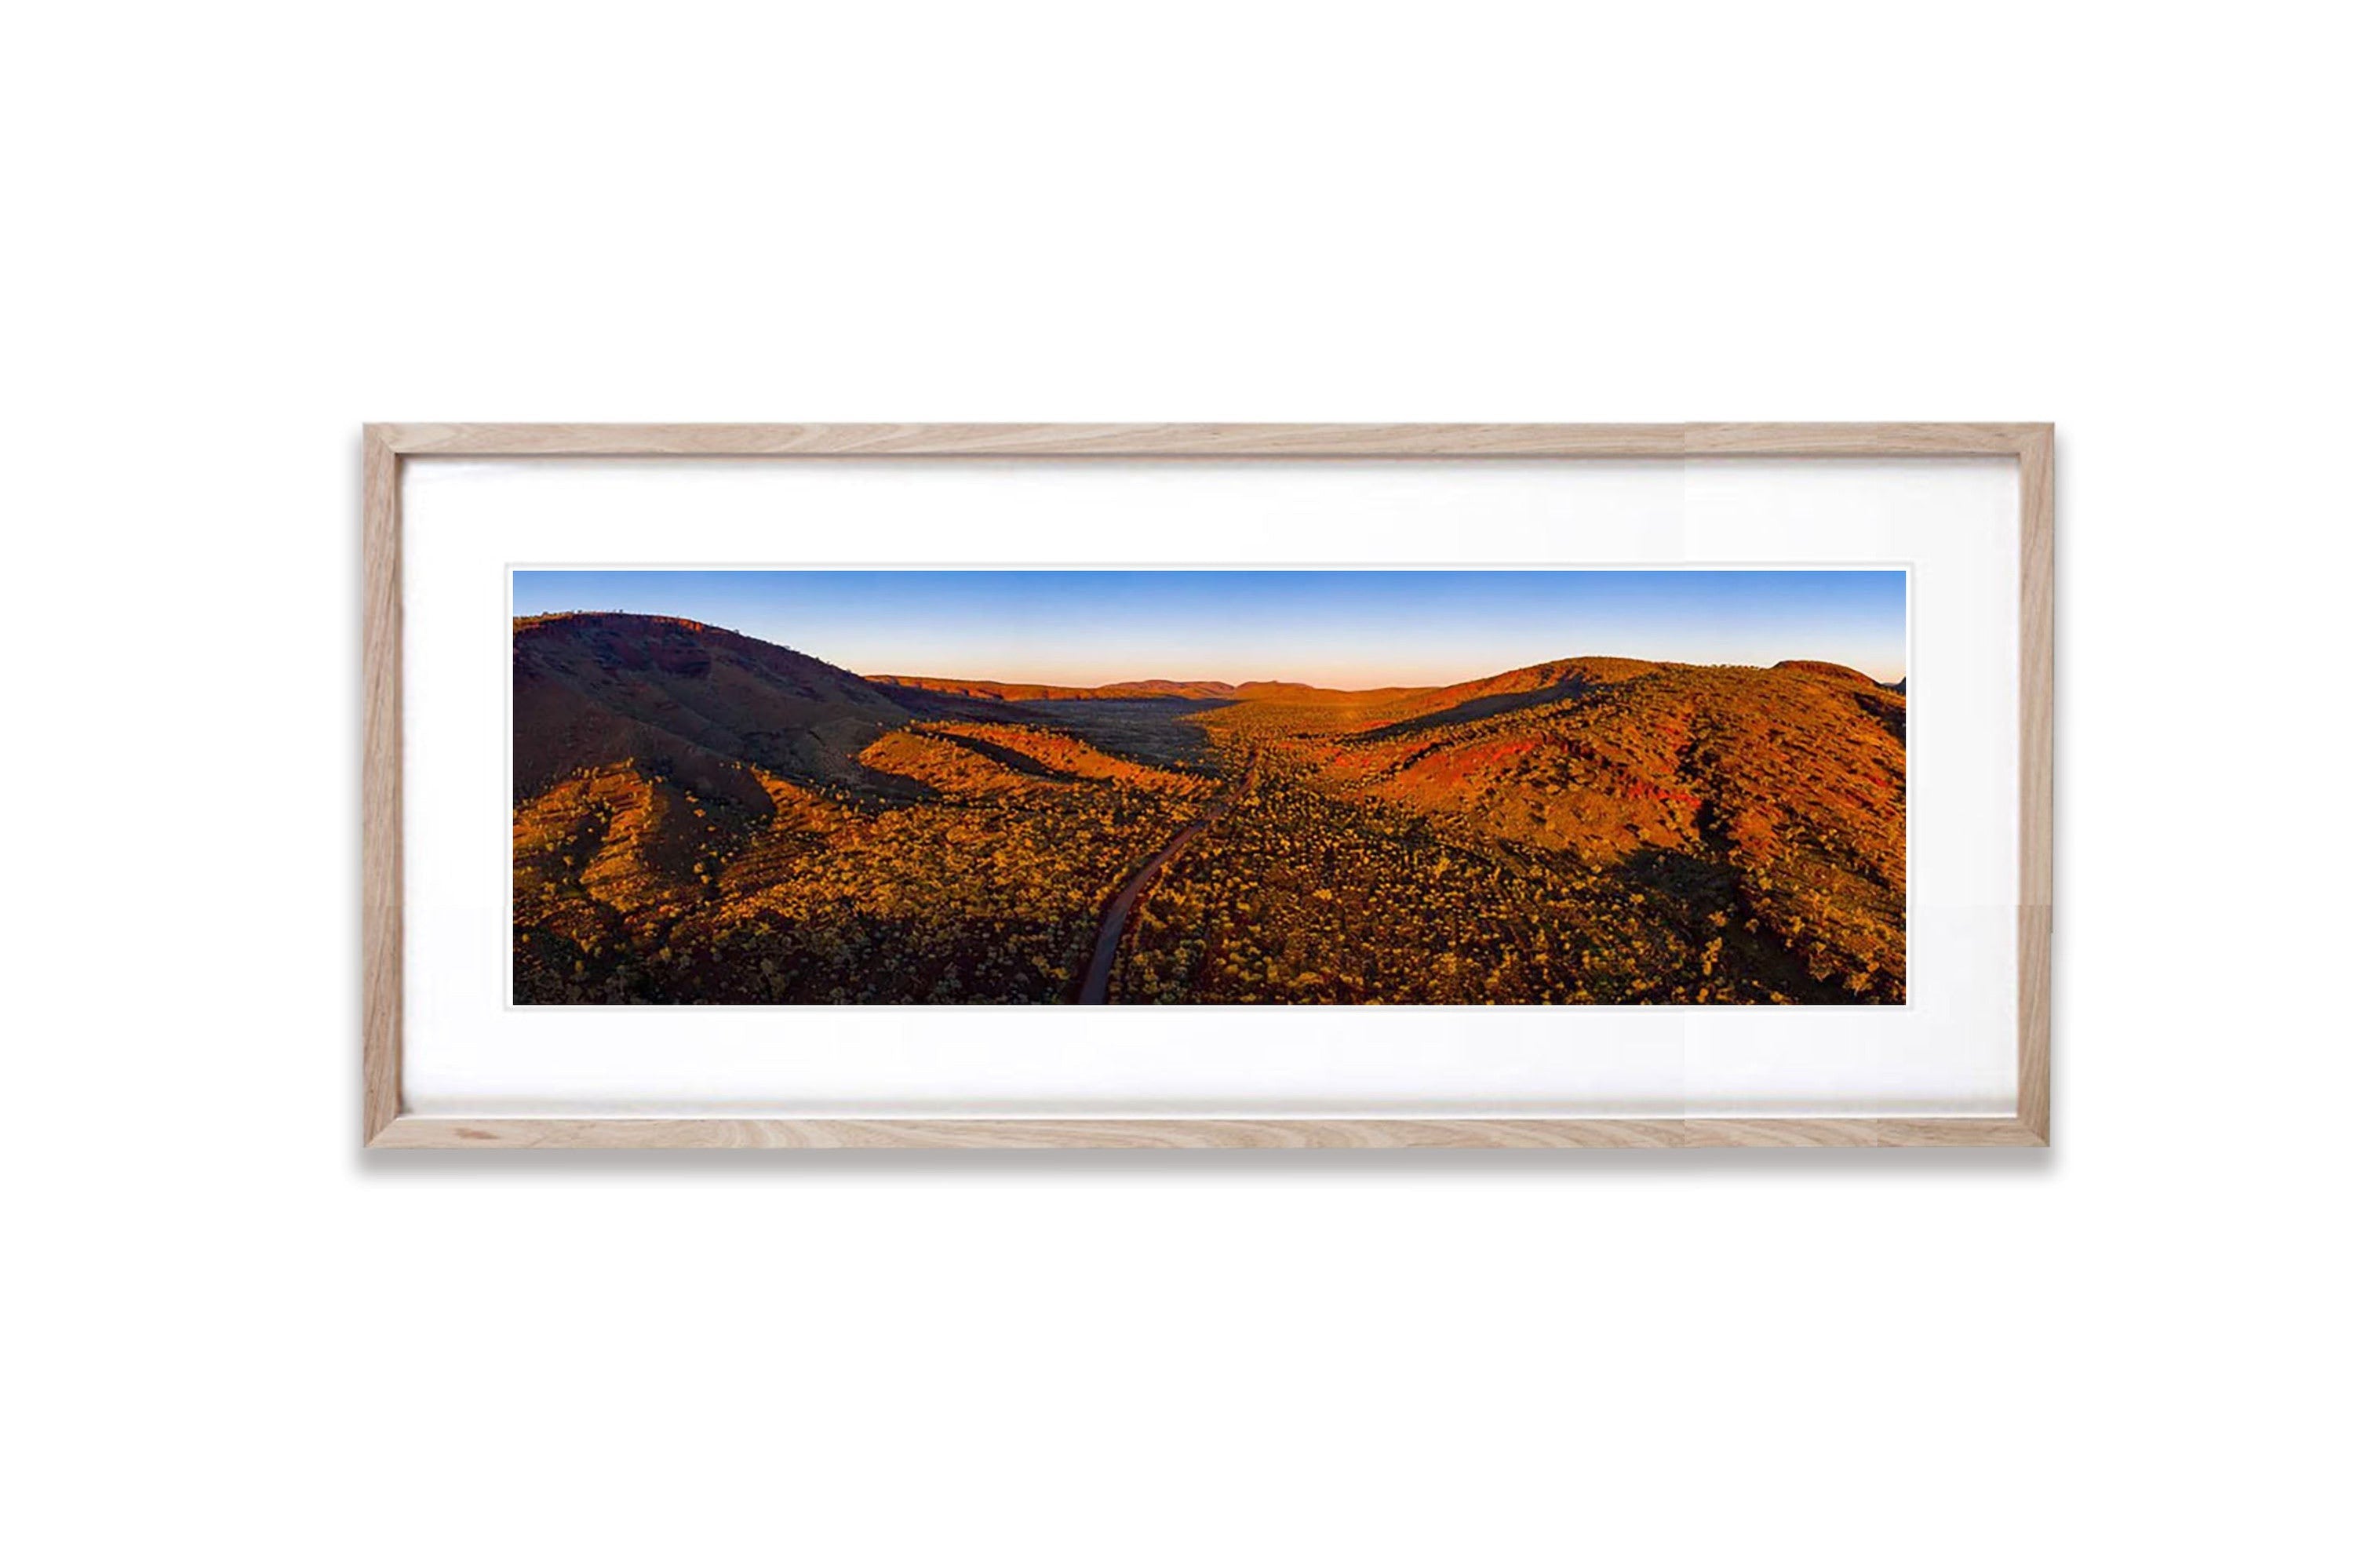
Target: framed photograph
{"points": [[1050, 786]]}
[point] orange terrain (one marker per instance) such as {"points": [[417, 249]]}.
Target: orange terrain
{"points": [[704, 817]]}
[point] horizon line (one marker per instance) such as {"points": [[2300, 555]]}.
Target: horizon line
{"points": [[1873, 670], [1318, 686]]}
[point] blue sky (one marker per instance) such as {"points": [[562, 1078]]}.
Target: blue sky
{"points": [[1349, 629]]}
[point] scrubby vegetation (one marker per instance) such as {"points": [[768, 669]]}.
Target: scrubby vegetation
{"points": [[632, 889], [705, 818], [1616, 833]]}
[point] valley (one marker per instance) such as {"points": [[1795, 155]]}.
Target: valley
{"points": [[704, 817]]}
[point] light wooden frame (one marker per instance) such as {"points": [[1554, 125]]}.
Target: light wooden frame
{"points": [[386, 447]]}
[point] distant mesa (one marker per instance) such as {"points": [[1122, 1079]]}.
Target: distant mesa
{"points": [[1297, 691], [1021, 692]]}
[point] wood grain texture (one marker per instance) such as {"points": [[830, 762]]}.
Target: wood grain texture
{"points": [[386, 447], [1663, 441], [2037, 755], [380, 868], [499, 1133], [1654, 441], [1858, 440]]}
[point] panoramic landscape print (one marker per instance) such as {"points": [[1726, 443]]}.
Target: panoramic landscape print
{"points": [[1598, 787]]}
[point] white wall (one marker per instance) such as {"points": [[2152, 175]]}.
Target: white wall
{"points": [[241, 230]]}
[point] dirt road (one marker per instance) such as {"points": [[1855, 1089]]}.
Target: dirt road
{"points": [[1097, 987]]}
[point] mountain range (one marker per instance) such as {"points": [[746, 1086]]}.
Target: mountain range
{"points": [[703, 816]]}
